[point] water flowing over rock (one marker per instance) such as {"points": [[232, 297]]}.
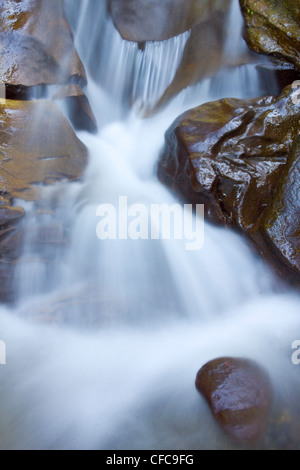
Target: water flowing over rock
{"points": [[239, 394], [221, 48], [38, 146], [138, 291], [37, 46], [273, 28], [10, 246], [157, 67], [37, 51], [201, 62], [203, 55], [78, 107], [231, 154], [172, 17]]}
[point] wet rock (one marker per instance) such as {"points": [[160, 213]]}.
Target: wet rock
{"points": [[203, 55], [204, 52], [211, 61], [200, 62], [282, 220], [284, 74], [78, 107], [37, 147], [37, 53], [230, 156], [134, 18], [239, 395], [273, 28], [36, 46]]}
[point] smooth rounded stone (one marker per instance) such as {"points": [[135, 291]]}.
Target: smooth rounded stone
{"points": [[230, 155], [134, 18], [37, 147], [238, 158], [37, 46], [203, 55], [239, 394], [273, 28]]}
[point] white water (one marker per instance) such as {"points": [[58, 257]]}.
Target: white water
{"points": [[233, 46], [134, 321], [139, 77]]}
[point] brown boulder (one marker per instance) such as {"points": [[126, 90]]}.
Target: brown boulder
{"points": [[203, 54], [281, 224], [197, 62], [134, 18], [230, 155], [37, 146], [37, 50], [273, 28], [37, 46], [239, 394]]}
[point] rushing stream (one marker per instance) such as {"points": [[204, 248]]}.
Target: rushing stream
{"points": [[103, 349]]}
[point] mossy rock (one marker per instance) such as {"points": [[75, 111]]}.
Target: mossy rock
{"points": [[273, 28]]}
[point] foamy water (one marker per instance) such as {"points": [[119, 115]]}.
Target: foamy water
{"points": [[133, 321]]}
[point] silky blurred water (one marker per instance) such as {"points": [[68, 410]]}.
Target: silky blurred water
{"points": [[104, 346]]}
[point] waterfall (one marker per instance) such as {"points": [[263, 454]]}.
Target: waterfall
{"points": [[233, 46], [103, 348], [131, 75]]}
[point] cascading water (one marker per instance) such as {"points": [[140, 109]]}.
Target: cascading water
{"points": [[138, 77], [134, 320]]}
